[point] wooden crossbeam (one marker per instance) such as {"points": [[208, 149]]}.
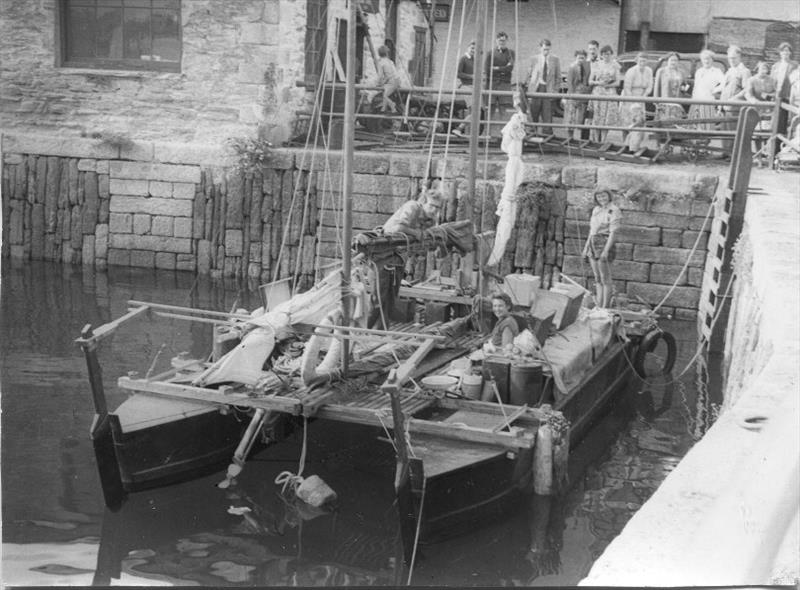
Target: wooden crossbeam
{"points": [[212, 396]]}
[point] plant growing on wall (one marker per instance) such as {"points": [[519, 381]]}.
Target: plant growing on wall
{"points": [[252, 153]]}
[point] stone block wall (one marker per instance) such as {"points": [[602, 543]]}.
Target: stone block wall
{"points": [[184, 207]]}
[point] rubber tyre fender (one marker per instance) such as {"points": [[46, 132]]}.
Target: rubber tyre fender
{"points": [[648, 344]]}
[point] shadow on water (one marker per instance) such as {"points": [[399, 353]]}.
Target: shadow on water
{"points": [[249, 535]]}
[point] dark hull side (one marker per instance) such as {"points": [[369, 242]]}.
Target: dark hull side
{"points": [[457, 501], [178, 450]]}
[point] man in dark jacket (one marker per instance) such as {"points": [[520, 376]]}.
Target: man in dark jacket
{"points": [[498, 67]]}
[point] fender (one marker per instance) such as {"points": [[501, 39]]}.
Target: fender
{"points": [[311, 369], [648, 345]]}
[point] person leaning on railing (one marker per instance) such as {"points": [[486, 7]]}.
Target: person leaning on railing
{"points": [[761, 87], [707, 80], [733, 89], [638, 82], [668, 83], [781, 72], [605, 80], [794, 100], [577, 83]]}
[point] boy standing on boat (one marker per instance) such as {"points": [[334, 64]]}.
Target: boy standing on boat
{"points": [[410, 220]]}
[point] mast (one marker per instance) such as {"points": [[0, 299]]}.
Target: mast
{"points": [[475, 115], [347, 171]]}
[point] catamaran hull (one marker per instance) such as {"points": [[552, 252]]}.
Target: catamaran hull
{"points": [[457, 501], [462, 500], [178, 449]]}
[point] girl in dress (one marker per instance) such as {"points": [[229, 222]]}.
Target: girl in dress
{"points": [[706, 79], [669, 80], [600, 246], [604, 80]]}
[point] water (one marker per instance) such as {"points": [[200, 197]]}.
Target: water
{"points": [[57, 532]]}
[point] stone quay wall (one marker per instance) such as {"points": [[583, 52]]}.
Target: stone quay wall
{"points": [[183, 207]]}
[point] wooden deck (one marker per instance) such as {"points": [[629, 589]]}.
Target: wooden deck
{"points": [[474, 422]]}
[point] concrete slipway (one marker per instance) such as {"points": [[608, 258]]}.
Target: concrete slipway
{"points": [[729, 514]]}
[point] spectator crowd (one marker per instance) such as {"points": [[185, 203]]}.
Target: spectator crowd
{"points": [[596, 72]]}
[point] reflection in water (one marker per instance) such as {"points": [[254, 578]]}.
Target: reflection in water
{"points": [[249, 535]]}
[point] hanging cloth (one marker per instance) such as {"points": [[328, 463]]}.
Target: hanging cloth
{"points": [[513, 134]]}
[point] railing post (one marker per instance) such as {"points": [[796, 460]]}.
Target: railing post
{"points": [[773, 138]]}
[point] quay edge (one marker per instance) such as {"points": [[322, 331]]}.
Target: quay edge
{"points": [[729, 514]]}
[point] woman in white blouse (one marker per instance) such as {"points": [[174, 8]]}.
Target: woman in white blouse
{"points": [[600, 246], [706, 79]]}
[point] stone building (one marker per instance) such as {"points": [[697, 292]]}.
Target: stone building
{"points": [[691, 25], [115, 125]]}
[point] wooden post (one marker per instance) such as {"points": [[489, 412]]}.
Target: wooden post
{"points": [[101, 431], [543, 461], [347, 175]]}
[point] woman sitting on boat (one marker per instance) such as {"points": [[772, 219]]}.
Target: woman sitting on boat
{"points": [[506, 328], [600, 245]]}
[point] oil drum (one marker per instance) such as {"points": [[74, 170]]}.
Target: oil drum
{"points": [[525, 384]]}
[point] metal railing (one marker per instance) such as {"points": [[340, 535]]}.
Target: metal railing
{"points": [[665, 130]]}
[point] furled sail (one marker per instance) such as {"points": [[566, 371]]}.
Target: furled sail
{"points": [[513, 134]]}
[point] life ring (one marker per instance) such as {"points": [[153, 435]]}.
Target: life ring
{"points": [[311, 369], [648, 345]]}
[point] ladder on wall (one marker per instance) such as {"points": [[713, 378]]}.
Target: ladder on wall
{"points": [[725, 229]]}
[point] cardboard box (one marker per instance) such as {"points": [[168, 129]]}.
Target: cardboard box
{"points": [[564, 301]]}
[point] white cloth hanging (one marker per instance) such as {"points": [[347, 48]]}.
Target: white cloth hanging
{"points": [[513, 134]]}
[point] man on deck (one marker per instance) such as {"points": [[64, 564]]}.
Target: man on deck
{"points": [[411, 219]]}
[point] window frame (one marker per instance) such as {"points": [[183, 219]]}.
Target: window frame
{"points": [[122, 64]]}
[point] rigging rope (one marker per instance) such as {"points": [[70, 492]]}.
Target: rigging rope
{"points": [[435, 125], [689, 256], [289, 479]]}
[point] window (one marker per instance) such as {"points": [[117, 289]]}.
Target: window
{"points": [[316, 39], [121, 34]]}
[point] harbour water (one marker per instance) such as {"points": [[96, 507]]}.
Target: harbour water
{"points": [[56, 530]]}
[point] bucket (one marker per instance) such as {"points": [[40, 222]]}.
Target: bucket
{"points": [[471, 386], [525, 384], [497, 367]]}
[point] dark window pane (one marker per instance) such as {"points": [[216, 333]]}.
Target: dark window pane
{"points": [[109, 33], [136, 29], [80, 22], [166, 44], [129, 34]]}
